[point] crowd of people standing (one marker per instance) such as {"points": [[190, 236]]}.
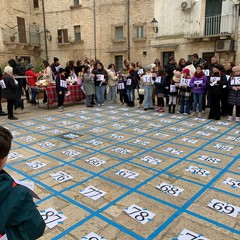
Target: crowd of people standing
{"points": [[193, 86]]}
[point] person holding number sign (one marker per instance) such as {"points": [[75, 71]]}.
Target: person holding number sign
{"points": [[20, 218], [146, 82], [131, 84], [61, 88], [2, 113], [100, 81], [9, 91], [173, 91], [215, 86], [198, 86], [234, 94], [160, 84], [185, 92]]}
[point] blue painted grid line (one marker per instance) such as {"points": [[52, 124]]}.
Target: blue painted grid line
{"points": [[147, 133]]}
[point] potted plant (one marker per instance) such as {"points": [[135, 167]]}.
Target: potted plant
{"points": [[13, 37]]}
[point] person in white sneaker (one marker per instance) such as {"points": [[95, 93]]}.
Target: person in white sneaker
{"points": [[234, 94], [61, 88]]}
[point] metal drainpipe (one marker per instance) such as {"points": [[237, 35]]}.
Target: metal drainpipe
{"points": [[236, 32], [128, 26], [44, 27], [94, 29]]}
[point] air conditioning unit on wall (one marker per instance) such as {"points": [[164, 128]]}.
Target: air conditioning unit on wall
{"points": [[186, 5], [224, 45]]}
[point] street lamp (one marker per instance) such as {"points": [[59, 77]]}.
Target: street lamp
{"points": [[154, 24]]}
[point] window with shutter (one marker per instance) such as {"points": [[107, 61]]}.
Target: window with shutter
{"points": [[35, 4]]}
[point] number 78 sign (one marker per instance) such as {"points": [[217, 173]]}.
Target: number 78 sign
{"points": [[140, 214]]}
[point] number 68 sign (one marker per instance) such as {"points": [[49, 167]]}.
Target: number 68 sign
{"points": [[224, 207]]}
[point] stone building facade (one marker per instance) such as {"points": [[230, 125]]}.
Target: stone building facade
{"points": [[113, 30]]}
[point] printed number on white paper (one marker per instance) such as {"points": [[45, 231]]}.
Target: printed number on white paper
{"points": [[189, 235], [151, 160], [52, 218], [127, 173], [232, 182], [36, 164], [209, 159], [71, 153], [93, 236], [14, 156], [93, 193], [198, 171], [61, 176], [95, 161], [170, 189], [224, 207], [140, 214]]}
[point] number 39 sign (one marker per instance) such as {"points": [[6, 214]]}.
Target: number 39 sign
{"points": [[224, 207]]}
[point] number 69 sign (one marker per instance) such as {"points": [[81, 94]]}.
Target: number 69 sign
{"points": [[224, 207]]}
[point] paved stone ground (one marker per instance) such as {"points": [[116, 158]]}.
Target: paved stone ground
{"points": [[123, 154]]}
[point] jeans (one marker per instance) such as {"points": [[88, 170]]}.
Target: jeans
{"points": [[10, 104], [186, 104], [112, 93], [34, 94], [88, 100], [197, 99], [147, 102], [131, 95], [100, 91]]}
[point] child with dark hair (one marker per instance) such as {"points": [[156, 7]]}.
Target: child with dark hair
{"points": [[160, 84], [61, 88], [185, 92], [20, 218]]}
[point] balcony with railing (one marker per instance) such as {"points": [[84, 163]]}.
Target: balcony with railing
{"points": [[21, 37], [219, 25]]}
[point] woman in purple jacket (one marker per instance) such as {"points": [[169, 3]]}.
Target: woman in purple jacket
{"points": [[198, 85]]}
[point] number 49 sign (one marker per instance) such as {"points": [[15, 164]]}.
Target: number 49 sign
{"points": [[140, 214]]}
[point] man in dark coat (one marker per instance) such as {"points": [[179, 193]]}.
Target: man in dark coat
{"points": [[2, 113], [20, 219], [9, 91]]}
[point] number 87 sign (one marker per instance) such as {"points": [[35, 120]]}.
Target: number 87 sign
{"points": [[140, 214]]}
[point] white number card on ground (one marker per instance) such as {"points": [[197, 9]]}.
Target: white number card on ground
{"points": [[71, 153], [52, 217], [47, 145], [198, 171], [140, 214], [209, 159], [170, 189], [28, 138], [61, 176], [93, 236], [14, 156], [36, 164], [173, 151], [121, 150], [222, 147], [232, 182], [93, 193], [151, 160], [224, 207], [95, 161], [127, 173], [189, 235]]}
